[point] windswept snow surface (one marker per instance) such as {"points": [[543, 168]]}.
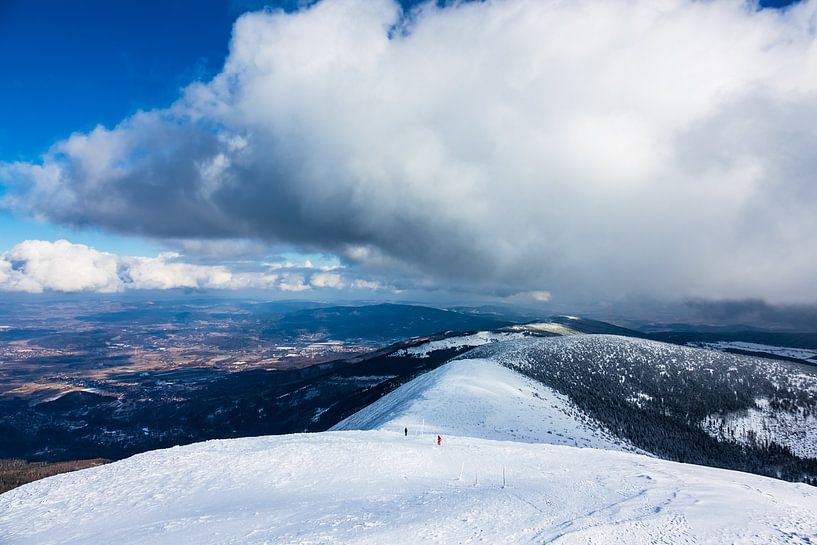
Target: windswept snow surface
{"points": [[481, 398], [379, 487]]}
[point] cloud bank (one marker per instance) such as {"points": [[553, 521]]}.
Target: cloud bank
{"points": [[36, 266], [794, 317], [579, 149]]}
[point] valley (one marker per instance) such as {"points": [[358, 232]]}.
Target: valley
{"points": [[78, 382]]}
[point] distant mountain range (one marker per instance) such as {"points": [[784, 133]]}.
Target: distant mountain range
{"points": [[677, 402], [384, 322]]}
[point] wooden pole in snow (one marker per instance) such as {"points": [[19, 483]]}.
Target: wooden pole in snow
{"points": [[503, 476]]}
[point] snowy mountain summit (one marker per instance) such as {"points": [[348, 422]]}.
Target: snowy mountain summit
{"points": [[518, 463]]}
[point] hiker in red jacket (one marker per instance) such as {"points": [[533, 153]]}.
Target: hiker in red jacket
{"points": [[439, 440]]}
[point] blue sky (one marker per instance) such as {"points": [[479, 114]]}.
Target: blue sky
{"points": [[444, 94]]}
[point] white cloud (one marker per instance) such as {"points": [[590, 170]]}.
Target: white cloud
{"points": [[539, 295], [161, 273], [38, 265], [327, 280], [663, 148], [15, 280], [293, 282], [290, 265], [362, 284], [35, 266]]}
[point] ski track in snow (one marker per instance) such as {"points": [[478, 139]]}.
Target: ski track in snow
{"points": [[378, 487]]}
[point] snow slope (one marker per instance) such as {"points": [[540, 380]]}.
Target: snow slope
{"points": [[481, 398], [379, 487], [460, 341]]}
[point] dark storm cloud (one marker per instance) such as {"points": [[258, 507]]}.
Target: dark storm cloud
{"points": [[587, 149], [756, 312]]}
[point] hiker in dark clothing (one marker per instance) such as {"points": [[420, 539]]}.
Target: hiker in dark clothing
{"points": [[439, 440], [405, 432]]}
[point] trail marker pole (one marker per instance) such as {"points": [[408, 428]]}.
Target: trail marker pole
{"points": [[462, 467], [503, 476]]}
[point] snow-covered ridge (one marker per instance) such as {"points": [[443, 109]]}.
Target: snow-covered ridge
{"points": [[482, 338], [480, 398], [548, 327], [655, 385], [376, 487], [461, 341]]}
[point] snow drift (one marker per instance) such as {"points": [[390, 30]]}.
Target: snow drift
{"points": [[379, 487]]}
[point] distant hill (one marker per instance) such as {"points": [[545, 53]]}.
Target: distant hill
{"points": [[595, 327], [385, 322], [686, 404], [800, 347]]}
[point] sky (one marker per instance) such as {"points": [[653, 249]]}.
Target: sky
{"points": [[523, 150]]}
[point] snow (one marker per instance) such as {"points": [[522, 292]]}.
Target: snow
{"points": [[762, 425], [378, 487], [639, 398], [547, 327], [491, 481], [461, 341], [481, 398]]}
